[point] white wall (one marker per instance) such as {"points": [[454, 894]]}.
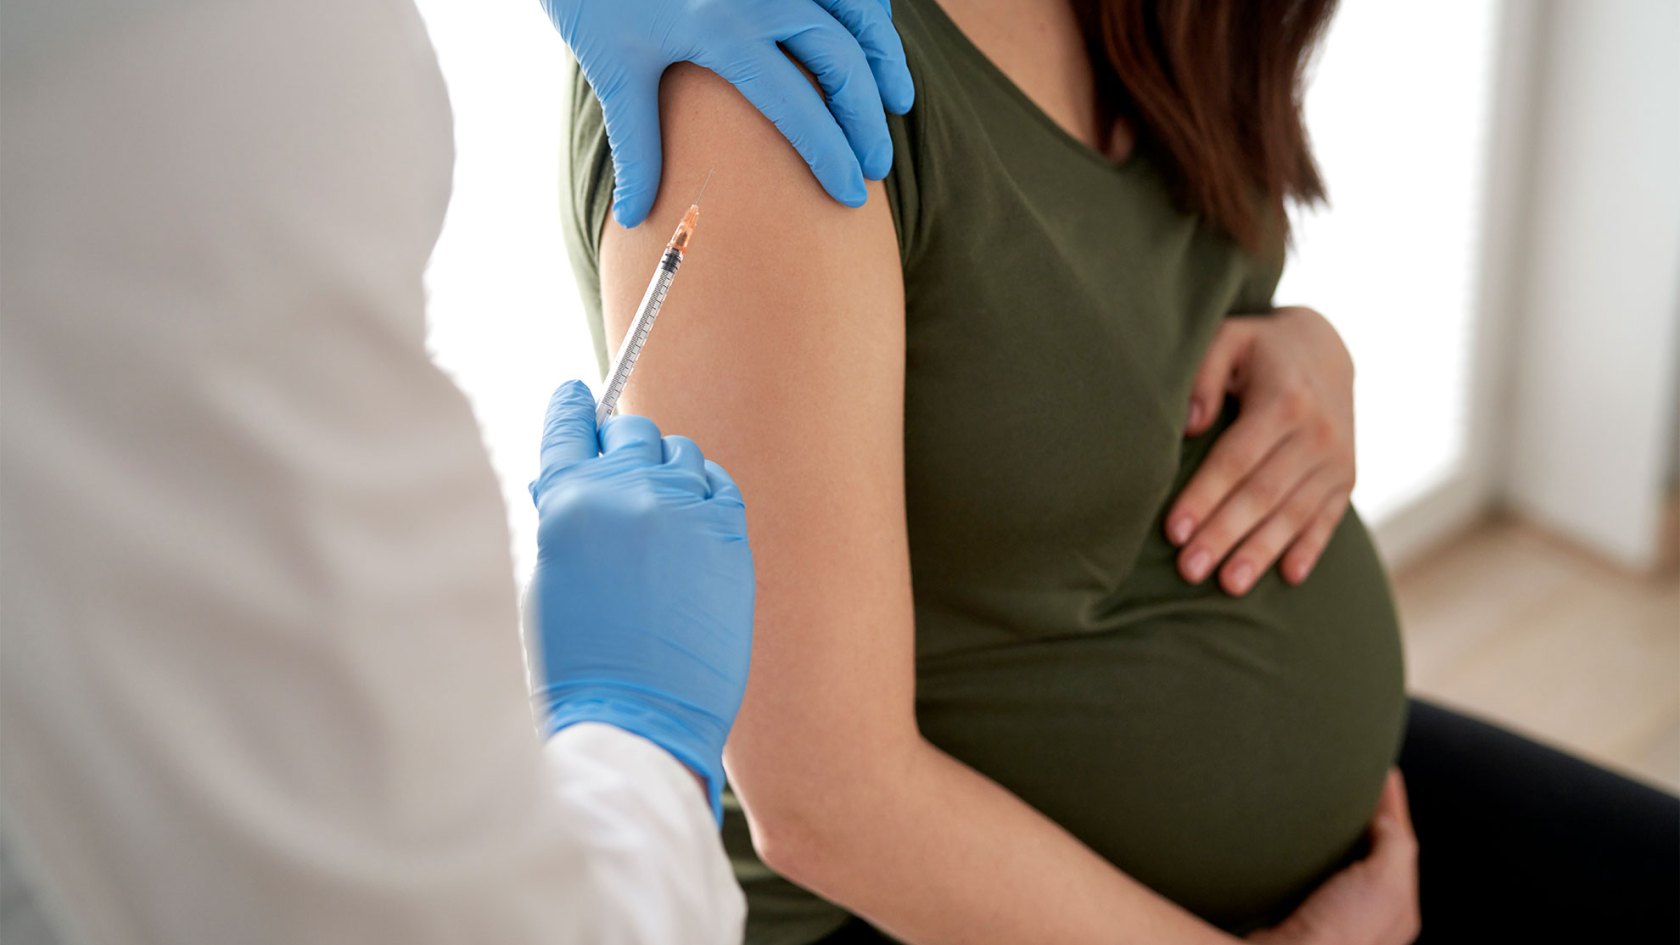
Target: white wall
{"points": [[1474, 484], [505, 319], [1593, 387], [1393, 261], [1673, 477]]}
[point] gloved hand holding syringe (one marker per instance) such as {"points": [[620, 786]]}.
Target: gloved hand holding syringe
{"points": [[664, 656], [635, 338]]}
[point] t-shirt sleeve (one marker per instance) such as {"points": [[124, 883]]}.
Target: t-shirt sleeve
{"points": [[587, 199]]}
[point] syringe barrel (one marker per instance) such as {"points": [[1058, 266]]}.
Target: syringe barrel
{"points": [[630, 349]]}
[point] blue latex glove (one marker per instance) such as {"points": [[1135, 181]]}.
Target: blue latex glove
{"points": [[641, 604], [851, 46]]}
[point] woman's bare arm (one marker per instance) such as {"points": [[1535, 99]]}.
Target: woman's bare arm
{"points": [[781, 350]]}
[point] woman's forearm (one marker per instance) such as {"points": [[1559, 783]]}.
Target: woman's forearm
{"points": [[933, 852]]}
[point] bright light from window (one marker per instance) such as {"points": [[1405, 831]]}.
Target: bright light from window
{"points": [[1399, 111], [504, 314]]}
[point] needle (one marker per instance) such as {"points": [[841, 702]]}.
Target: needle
{"points": [[630, 349]]}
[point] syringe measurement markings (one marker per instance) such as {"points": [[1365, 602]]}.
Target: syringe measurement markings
{"points": [[630, 349], [637, 342]]}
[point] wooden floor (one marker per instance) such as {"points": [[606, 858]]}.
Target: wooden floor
{"points": [[1519, 627]]}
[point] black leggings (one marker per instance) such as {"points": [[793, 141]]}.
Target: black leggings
{"points": [[1521, 843], [1518, 842]]}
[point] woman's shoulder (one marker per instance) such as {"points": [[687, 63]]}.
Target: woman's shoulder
{"points": [[927, 36], [762, 201]]}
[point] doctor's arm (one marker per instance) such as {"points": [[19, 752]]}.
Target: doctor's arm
{"points": [[262, 680], [783, 350]]}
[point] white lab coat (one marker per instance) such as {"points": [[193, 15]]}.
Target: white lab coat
{"points": [[260, 678]]}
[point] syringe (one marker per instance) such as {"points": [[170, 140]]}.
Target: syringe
{"points": [[630, 349]]}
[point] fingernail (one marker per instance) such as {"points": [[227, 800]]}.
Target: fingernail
{"points": [[1196, 567], [1195, 414], [1180, 529], [1241, 576]]}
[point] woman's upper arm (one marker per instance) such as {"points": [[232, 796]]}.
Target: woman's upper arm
{"points": [[781, 352]]}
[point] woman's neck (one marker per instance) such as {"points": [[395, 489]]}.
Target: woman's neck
{"points": [[1040, 48]]}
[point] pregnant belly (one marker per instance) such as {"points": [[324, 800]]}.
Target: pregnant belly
{"points": [[1225, 752]]}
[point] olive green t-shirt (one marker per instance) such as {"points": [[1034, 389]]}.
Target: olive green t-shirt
{"points": [[1225, 751]]}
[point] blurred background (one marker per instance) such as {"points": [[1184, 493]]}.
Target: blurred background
{"points": [[1501, 254]]}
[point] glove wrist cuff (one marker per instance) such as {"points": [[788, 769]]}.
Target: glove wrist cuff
{"points": [[657, 724]]}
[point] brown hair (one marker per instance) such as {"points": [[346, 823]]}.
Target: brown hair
{"points": [[1214, 86]]}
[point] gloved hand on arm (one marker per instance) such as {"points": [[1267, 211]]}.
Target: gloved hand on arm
{"points": [[850, 46], [641, 604]]}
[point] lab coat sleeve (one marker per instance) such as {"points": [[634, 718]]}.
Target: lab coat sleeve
{"points": [[630, 798], [261, 678]]}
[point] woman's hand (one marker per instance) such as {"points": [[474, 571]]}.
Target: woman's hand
{"points": [[1372, 902], [1277, 482]]}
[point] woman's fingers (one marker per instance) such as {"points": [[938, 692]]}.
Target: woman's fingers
{"points": [[1214, 374], [1394, 846], [1394, 851], [1271, 471], [1233, 458], [1293, 379], [1302, 556], [1372, 901], [1261, 549], [1392, 803], [1394, 859]]}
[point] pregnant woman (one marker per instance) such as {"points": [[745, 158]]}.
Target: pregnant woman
{"points": [[999, 693]]}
